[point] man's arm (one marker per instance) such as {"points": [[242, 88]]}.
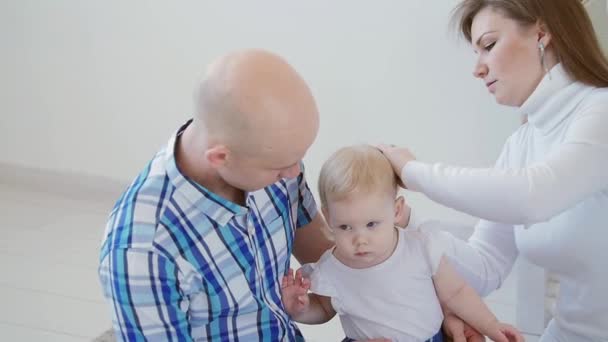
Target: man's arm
{"points": [[312, 240], [312, 233]]}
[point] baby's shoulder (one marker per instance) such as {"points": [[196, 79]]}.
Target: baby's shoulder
{"points": [[419, 236]]}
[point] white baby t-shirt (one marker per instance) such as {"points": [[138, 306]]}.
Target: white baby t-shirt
{"points": [[395, 299]]}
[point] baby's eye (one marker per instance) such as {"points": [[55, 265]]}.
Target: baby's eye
{"points": [[344, 227], [372, 224]]}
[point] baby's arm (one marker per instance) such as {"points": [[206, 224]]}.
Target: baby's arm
{"points": [[304, 307], [462, 300]]}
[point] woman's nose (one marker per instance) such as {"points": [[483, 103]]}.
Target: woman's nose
{"points": [[480, 70]]}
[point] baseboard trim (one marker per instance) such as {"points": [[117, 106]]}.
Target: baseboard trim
{"points": [[69, 184]]}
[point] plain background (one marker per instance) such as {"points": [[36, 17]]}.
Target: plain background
{"points": [[96, 88]]}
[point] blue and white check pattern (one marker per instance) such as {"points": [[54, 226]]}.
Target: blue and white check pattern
{"points": [[179, 263]]}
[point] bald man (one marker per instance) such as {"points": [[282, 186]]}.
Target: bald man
{"points": [[195, 248]]}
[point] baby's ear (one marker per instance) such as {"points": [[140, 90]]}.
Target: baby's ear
{"points": [[325, 213], [400, 211]]}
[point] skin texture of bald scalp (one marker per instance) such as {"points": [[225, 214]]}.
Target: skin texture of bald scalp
{"points": [[255, 119]]}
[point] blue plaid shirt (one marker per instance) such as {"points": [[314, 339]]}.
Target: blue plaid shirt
{"points": [[180, 263]]}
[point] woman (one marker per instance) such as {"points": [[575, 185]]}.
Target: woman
{"points": [[547, 196]]}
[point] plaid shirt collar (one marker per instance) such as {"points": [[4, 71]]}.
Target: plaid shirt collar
{"points": [[215, 207]]}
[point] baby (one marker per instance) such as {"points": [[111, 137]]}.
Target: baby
{"points": [[383, 281]]}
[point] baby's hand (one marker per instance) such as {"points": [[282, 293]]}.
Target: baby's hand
{"points": [[505, 333], [294, 293]]}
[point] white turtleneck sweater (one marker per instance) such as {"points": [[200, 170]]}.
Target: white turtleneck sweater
{"points": [[546, 198]]}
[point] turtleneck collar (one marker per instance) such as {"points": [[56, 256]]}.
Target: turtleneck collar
{"points": [[553, 99]]}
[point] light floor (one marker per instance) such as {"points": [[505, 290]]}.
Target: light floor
{"points": [[48, 264]]}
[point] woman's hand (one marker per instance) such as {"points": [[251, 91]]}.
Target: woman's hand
{"points": [[398, 156]]}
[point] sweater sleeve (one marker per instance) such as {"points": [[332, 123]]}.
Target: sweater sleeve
{"points": [[577, 168]]}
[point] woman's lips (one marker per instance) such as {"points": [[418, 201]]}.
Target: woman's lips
{"points": [[491, 86]]}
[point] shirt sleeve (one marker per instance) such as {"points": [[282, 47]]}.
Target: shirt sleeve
{"points": [[434, 247], [145, 299], [319, 283], [574, 170], [484, 261], [307, 206]]}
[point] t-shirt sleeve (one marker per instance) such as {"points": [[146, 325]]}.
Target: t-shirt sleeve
{"points": [[485, 260], [318, 275], [436, 244]]}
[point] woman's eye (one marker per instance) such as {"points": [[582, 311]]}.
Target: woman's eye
{"points": [[489, 46]]}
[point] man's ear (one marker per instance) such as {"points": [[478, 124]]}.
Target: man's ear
{"points": [[217, 156], [400, 211]]}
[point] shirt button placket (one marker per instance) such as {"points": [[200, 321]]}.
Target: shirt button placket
{"points": [[251, 234]]}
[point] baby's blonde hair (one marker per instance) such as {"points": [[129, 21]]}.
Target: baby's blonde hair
{"points": [[359, 168]]}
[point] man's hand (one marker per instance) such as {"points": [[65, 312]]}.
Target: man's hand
{"points": [[294, 293], [398, 156], [458, 331], [502, 332]]}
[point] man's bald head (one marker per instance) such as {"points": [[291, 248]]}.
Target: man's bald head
{"points": [[251, 100]]}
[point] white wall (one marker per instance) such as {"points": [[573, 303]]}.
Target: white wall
{"points": [[598, 11], [98, 87]]}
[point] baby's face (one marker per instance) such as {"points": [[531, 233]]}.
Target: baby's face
{"points": [[364, 228]]}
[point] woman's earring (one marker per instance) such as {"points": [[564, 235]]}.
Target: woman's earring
{"points": [[541, 47]]}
